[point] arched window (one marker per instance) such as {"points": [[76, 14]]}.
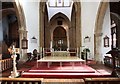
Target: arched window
{"points": [[113, 34]]}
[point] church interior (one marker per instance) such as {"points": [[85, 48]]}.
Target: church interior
{"points": [[54, 41]]}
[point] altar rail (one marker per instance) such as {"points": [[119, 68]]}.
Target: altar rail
{"points": [[20, 80], [102, 80], [5, 64], [50, 52]]}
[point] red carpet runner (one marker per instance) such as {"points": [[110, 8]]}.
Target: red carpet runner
{"points": [[66, 71]]}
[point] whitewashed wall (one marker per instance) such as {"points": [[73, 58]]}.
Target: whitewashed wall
{"points": [[106, 30], [31, 11], [88, 18]]}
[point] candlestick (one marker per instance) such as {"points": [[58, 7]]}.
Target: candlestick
{"points": [[14, 73]]}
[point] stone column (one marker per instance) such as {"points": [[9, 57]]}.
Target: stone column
{"points": [[51, 37], [78, 30], [97, 43], [68, 40], [23, 52], [41, 29], [0, 52]]}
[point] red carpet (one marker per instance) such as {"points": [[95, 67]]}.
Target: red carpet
{"points": [[66, 71], [66, 67]]}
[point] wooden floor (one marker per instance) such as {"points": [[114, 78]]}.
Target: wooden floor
{"points": [[27, 66]]}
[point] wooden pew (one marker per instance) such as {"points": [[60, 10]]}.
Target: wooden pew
{"points": [[102, 80], [40, 80], [20, 80]]}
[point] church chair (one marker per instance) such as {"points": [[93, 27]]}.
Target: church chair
{"points": [[29, 56], [72, 52], [47, 52]]}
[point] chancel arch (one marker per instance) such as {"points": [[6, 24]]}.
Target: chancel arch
{"points": [[71, 24], [59, 24]]}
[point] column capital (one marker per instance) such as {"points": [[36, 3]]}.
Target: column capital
{"points": [[22, 31], [98, 34]]}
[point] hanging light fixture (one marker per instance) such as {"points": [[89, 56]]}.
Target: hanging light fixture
{"points": [[24, 43]]}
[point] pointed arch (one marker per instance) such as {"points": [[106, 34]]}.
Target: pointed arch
{"points": [[77, 8], [98, 28], [53, 24], [63, 16], [22, 27], [18, 12], [60, 39]]}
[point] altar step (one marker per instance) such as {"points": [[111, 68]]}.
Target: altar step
{"points": [[62, 71], [62, 75], [66, 71]]}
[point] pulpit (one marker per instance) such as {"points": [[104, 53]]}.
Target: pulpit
{"points": [[115, 53]]}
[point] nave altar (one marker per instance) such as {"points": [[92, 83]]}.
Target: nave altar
{"points": [[61, 59]]}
